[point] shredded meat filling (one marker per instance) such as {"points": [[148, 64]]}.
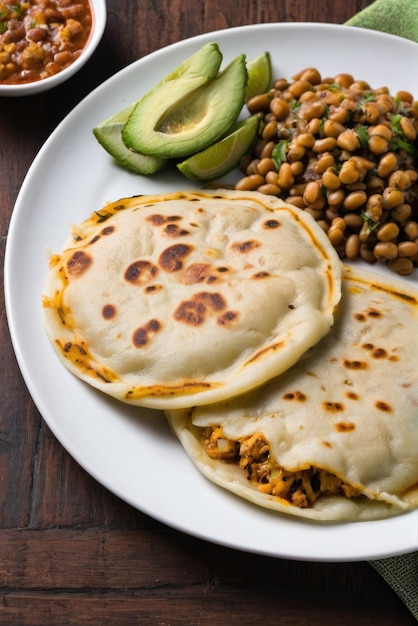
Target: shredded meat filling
{"points": [[301, 488]]}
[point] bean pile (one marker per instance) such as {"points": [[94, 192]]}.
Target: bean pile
{"points": [[347, 154], [39, 38]]}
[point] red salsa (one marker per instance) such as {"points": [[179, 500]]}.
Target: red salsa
{"points": [[39, 38]]}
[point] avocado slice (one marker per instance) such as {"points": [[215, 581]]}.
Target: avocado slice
{"points": [[109, 136], [180, 117]]}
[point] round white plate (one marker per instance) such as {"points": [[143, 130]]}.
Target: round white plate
{"points": [[131, 451]]}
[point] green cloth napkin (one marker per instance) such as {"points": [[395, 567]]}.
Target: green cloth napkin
{"points": [[397, 17], [401, 573]]}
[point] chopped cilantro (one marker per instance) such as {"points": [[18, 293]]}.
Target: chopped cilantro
{"points": [[369, 96], [279, 154], [363, 135], [371, 225]]}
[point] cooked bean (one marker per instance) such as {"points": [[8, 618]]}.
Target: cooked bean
{"points": [[330, 180], [407, 248], [270, 131], [324, 225], [364, 232], [360, 85], [296, 201], [314, 126], [412, 175], [387, 164], [375, 184], [352, 247], [324, 145], [259, 103], [259, 146], [366, 254], [63, 58], [392, 197], [325, 161], [345, 80], [405, 96], [332, 128], [265, 165], [286, 178], [408, 128], [378, 144], [307, 140], [382, 130], [298, 189], [374, 206], [299, 87], [336, 198], [307, 95], [335, 235], [411, 230], [272, 178], [372, 112], [401, 265], [355, 200], [364, 165], [317, 214], [312, 110], [349, 172], [399, 180], [267, 149], [73, 11], [401, 213], [310, 74], [252, 167], [354, 221], [295, 153], [339, 222], [269, 190], [344, 162], [250, 183], [313, 195], [245, 162], [36, 34], [348, 140], [280, 108], [297, 168], [386, 103], [387, 232], [385, 251]]}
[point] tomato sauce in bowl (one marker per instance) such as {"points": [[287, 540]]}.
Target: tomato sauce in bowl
{"points": [[40, 38]]}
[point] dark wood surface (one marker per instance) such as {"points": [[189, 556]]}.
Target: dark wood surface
{"points": [[71, 552]]}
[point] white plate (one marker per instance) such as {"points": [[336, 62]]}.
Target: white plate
{"points": [[131, 451]]}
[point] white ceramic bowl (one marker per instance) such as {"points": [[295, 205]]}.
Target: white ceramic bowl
{"points": [[98, 25]]}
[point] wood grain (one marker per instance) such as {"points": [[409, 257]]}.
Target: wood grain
{"points": [[70, 551]]}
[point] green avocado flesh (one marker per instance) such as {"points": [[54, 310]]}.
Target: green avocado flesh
{"points": [[109, 136], [224, 155], [185, 114]]}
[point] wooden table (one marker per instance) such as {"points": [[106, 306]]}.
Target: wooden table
{"points": [[70, 551]]}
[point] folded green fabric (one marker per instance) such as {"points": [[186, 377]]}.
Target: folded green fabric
{"points": [[397, 17], [401, 573]]}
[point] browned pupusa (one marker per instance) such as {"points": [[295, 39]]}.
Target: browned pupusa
{"points": [[335, 437], [190, 297]]}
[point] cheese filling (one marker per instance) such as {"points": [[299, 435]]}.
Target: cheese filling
{"points": [[300, 488]]}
